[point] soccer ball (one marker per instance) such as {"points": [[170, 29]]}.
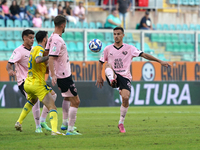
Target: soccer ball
{"points": [[95, 45]]}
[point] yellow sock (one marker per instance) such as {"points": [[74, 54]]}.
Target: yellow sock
{"points": [[27, 108], [53, 117]]}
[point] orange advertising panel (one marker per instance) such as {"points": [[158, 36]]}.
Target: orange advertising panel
{"points": [[141, 71]]}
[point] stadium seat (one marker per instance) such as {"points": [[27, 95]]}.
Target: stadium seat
{"points": [[79, 47], [103, 45], [2, 56], [53, 25], [154, 37], [176, 47], [100, 36], [11, 45], [68, 36], [79, 25], [129, 37], [47, 24], [2, 35], [192, 27], [159, 27], [198, 38], [99, 25], [165, 27], [78, 36], [25, 23], [18, 43], [71, 25], [185, 27], [17, 23], [108, 37], [161, 38], [174, 38], [147, 49], [181, 37], [9, 23], [91, 35], [197, 27], [17, 35], [9, 35], [183, 47], [169, 47], [168, 37], [191, 2], [85, 25], [179, 27], [161, 56], [197, 2], [92, 25], [71, 47], [189, 38], [185, 2], [190, 47], [172, 27], [2, 23], [187, 57], [3, 46], [172, 1]]}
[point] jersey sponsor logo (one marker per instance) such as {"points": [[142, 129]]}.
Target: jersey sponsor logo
{"points": [[124, 52], [41, 54], [118, 63], [111, 54], [26, 56]]}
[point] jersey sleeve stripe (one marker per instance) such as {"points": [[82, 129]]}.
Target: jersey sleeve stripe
{"points": [[140, 53], [54, 55], [101, 61]]}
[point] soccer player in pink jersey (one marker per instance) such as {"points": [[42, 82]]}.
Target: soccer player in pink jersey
{"points": [[20, 58], [60, 71], [119, 57]]}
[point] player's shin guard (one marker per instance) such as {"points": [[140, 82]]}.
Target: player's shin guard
{"points": [[123, 111], [109, 73], [72, 118], [36, 113], [27, 108], [65, 108], [53, 117]]}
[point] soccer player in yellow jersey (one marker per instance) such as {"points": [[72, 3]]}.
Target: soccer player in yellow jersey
{"points": [[35, 85]]}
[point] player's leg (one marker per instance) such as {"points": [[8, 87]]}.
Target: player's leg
{"points": [[75, 101], [65, 109], [45, 112], [26, 109], [110, 75], [36, 115], [123, 109]]}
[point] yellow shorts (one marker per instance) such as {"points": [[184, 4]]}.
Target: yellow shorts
{"points": [[36, 91]]}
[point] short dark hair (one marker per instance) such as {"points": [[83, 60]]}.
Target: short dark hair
{"points": [[60, 19], [27, 32], [40, 35], [113, 9], [118, 28]]}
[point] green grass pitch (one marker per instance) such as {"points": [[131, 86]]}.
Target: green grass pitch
{"points": [[147, 128]]}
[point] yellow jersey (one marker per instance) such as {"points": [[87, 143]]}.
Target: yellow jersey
{"points": [[36, 71]]}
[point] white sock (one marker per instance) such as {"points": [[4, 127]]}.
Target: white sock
{"points": [[38, 126], [65, 122], [70, 128], [42, 119]]}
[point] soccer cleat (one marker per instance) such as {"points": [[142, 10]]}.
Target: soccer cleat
{"points": [[56, 133], [18, 126], [63, 127], [38, 130], [73, 133], [121, 128], [113, 83], [44, 125]]}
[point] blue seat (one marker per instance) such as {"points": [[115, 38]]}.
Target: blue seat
{"points": [[52, 24], [172, 27], [185, 27], [197, 2], [11, 45], [85, 25], [25, 23], [192, 27], [165, 27], [172, 1], [99, 25], [78, 36], [3, 46], [198, 27], [100, 36], [185, 2], [17, 35], [168, 37], [2, 23], [191, 2], [9, 35], [79, 25], [71, 47], [17, 23], [79, 47], [108, 37], [71, 25], [9, 23], [2, 35], [91, 35], [179, 27], [169, 47], [181, 37], [103, 45], [92, 25], [189, 38], [68, 36], [159, 27], [47, 24], [18, 43]]}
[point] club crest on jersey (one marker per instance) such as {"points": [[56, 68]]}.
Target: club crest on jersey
{"points": [[54, 49], [124, 52]]}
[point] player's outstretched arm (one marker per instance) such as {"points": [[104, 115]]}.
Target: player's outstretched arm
{"points": [[41, 59], [100, 81], [51, 68], [9, 68], [150, 57]]}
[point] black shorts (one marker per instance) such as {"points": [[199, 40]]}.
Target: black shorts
{"points": [[21, 88], [122, 83], [66, 84]]}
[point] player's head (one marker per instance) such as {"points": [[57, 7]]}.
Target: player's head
{"points": [[28, 37], [60, 21], [118, 33], [114, 12], [42, 36]]}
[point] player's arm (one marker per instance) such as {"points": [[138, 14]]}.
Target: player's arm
{"points": [[51, 68], [150, 57], [9, 68], [40, 59], [100, 81]]}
